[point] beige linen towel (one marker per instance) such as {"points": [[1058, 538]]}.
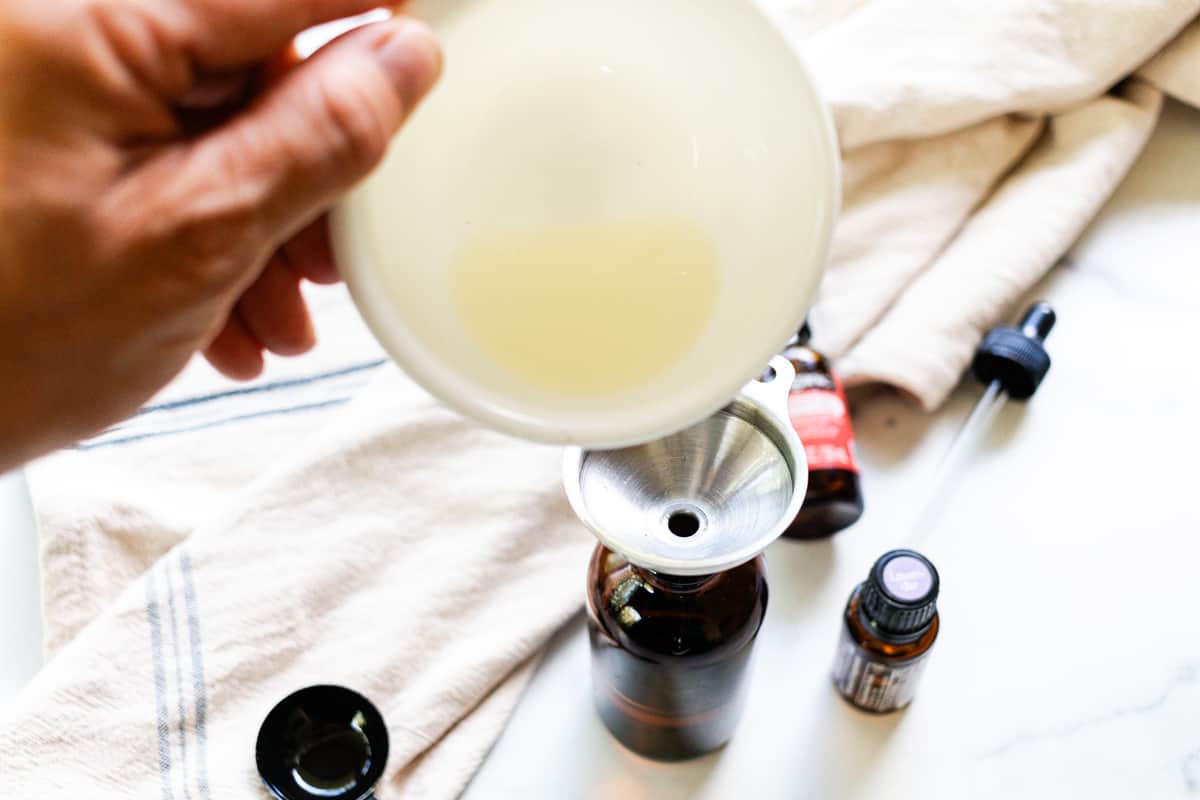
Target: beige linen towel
{"points": [[230, 545], [979, 140], [403, 551]]}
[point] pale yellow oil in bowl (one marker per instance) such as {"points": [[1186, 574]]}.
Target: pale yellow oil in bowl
{"points": [[587, 310]]}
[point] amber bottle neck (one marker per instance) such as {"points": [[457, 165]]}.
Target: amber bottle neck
{"points": [[675, 584]]}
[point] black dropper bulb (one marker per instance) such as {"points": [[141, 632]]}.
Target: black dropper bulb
{"points": [[1017, 357]]}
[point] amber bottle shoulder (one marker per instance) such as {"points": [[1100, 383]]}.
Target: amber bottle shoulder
{"points": [[875, 643], [658, 617]]}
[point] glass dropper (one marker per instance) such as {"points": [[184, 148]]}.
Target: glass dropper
{"points": [[1011, 362]]}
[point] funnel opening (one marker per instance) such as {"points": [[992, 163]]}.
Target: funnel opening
{"points": [[684, 523]]}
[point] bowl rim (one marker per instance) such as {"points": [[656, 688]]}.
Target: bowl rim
{"points": [[635, 425]]}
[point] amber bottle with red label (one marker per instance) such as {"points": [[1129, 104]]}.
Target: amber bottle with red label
{"points": [[819, 413]]}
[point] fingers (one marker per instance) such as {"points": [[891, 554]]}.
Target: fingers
{"points": [[211, 101], [217, 91], [214, 207], [271, 315], [310, 254], [224, 34], [274, 311], [235, 352], [323, 127]]}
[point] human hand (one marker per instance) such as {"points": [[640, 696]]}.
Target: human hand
{"points": [[157, 199]]}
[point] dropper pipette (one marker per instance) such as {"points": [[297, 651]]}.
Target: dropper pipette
{"points": [[1011, 362]]}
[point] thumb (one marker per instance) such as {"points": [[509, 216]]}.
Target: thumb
{"points": [[321, 129]]}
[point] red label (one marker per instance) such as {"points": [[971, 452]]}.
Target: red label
{"points": [[822, 421]]}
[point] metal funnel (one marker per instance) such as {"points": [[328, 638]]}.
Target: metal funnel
{"points": [[702, 500]]}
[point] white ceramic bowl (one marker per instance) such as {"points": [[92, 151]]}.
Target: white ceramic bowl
{"points": [[590, 111]]}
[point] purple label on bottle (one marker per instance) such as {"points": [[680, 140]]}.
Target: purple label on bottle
{"points": [[907, 579]]}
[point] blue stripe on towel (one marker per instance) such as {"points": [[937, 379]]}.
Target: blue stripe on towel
{"points": [[271, 412], [176, 656], [198, 688], [154, 618], [262, 388]]}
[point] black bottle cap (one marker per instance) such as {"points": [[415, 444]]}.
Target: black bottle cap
{"points": [[1017, 357], [320, 743], [900, 595], [801, 338], [804, 336]]}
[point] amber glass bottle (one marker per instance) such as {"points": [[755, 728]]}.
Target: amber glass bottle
{"points": [[670, 655], [819, 413], [891, 623]]}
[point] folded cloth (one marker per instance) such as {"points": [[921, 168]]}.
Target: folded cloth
{"points": [[229, 545], [978, 143], [403, 551]]}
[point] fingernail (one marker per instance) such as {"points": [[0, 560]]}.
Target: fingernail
{"points": [[412, 56]]}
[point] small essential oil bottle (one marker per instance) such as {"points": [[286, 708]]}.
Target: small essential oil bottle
{"points": [[891, 623], [671, 654], [819, 413]]}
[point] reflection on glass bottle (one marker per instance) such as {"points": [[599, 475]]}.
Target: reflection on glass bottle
{"points": [[819, 413], [891, 624], [670, 655]]}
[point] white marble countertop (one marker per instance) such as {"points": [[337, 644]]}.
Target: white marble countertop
{"points": [[1069, 659]]}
